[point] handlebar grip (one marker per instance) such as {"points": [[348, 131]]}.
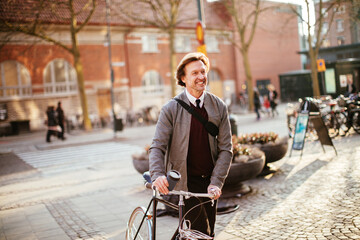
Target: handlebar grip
{"points": [[148, 185]]}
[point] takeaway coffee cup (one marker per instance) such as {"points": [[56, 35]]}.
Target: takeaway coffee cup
{"points": [[173, 177]]}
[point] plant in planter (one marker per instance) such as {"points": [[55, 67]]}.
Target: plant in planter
{"points": [[141, 160], [248, 161], [270, 143]]}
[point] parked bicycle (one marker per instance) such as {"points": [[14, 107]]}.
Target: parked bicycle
{"points": [[142, 223], [335, 119], [352, 116]]}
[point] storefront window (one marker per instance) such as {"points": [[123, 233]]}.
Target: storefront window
{"points": [[60, 77], [15, 80]]}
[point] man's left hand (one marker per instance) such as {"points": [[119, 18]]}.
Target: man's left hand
{"points": [[215, 190]]}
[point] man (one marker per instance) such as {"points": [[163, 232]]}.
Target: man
{"points": [[61, 121], [182, 143], [350, 87]]}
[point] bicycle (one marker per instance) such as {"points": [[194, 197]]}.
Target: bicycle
{"points": [[142, 224], [352, 116], [335, 120]]}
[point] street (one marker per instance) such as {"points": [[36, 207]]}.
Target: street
{"points": [[86, 187]]}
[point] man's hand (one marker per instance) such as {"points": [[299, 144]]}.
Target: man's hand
{"points": [[161, 185], [215, 190]]}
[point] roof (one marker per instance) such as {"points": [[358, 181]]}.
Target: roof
{"points": [[57, 12]]}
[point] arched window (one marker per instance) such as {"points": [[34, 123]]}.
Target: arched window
{"points": [[60, 77], [152, 83], [15, 80]]}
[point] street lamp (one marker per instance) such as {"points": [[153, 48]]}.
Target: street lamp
{"points": [[110, 64]]}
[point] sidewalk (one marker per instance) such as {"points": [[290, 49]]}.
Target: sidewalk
{"points": [[313, 197]]}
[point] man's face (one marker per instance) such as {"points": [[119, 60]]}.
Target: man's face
{"points": [[195, 78]]}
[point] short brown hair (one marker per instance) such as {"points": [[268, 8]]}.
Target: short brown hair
{"points": [[188, 58]]}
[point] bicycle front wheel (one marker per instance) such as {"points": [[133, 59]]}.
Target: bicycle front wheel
{"points": [[342, 119], [133, 227]]}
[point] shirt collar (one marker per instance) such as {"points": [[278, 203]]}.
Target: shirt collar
{"points": [[192, 99]]}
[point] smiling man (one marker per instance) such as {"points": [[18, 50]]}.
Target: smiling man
{"points": [[182, 143]]}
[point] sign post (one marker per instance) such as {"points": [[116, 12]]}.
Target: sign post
{"points": [[200, 37], [321, 69], [301, 127], [300, 132]]}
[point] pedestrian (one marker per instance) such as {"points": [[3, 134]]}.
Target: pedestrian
{"points": [[61, 121], [266, 105], [257, 103], [272, 96], [52, 123], [350, 86], [182, 143]]}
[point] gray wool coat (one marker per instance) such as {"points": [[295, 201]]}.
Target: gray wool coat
{"points": [[169, 147]]}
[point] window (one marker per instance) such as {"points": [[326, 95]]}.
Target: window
{"points": [[212, 44], [339, 25], [324, 12], [340, 40], [60, 77], [339, 10], [152, 83], [325, 43], [149, 43], [325, 28], [182, 44], [15, 80]]}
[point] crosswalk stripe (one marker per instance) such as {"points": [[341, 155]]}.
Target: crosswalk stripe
{"points": [[79, 156]]}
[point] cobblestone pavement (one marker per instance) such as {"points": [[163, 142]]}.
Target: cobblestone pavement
{"points": [[315, 197]]}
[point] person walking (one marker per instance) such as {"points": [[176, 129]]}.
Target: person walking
{"points": [[267, 105], [182, 143], [272, 96], [51, 123], [257, 103], [61, 121]]}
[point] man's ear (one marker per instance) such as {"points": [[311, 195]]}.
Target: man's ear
{"points": [[182, 80]]}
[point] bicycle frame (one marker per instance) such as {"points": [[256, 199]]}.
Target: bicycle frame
{"points": [[181, 208], [154, 201]]}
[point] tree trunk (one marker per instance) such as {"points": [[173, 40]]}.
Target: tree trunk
{"points": [[172, 61], [246, 62], [82, 94], [314, 76], [80, 80], [313, 54]]}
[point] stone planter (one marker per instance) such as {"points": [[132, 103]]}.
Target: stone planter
{"points": [[242, 171], [141, 162], [274, 151]]}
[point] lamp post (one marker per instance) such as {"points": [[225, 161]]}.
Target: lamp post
{"points": [[201, 14], [110, 64], [200, 26]]}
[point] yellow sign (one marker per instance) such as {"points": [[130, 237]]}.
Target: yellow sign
{"points": [[321, 65], [202, 49], [200, 33]]}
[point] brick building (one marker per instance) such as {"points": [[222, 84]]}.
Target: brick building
{"points": [[37, 74]]}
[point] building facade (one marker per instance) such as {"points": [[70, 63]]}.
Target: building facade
{"points": [[36, 74]]}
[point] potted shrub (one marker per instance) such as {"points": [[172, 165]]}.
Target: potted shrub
{"points": [[270, 143], [141, 160], [248, 161]]}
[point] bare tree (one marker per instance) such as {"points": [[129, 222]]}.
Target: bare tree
{"points": [[37, 18], [316, 33], [162, 14], [244, 16]]}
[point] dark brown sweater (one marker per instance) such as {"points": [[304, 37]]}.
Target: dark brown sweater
{"points": [[199, 160]]}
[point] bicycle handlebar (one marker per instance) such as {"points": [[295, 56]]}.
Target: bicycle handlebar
{"points": [[182, 193]]}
